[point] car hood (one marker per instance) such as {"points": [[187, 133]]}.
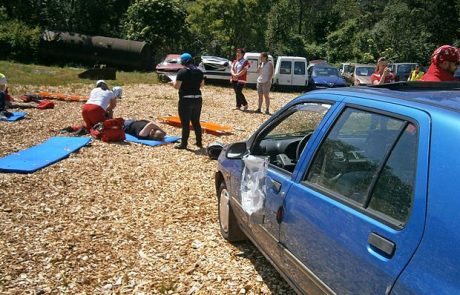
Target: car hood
{"points": [[329, 81], [169, 67]]}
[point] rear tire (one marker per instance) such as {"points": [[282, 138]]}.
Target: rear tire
{"points": [[228, 224]]}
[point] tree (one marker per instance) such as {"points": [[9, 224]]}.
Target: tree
{"points": [[158, 22], [220, 26]]}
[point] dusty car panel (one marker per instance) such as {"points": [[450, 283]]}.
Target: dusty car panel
{"points": [[347, 206]]}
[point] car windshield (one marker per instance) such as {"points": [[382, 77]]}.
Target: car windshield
{"points": [[364, 71], [171, 60], [406, 68], [325, 72], [348, 69]]}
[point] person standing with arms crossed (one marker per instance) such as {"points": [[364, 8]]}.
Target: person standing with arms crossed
{"points": [[264, 82], [189, 81], [239, 71]]}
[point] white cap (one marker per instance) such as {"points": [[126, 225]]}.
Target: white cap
{"points": [[99, 82], [118, 91], [2, 79]]}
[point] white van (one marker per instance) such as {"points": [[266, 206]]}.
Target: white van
{"points": [[290, 71], [253, 58]]}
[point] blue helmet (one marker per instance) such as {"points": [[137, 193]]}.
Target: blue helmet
{"points": [[185, 58]]}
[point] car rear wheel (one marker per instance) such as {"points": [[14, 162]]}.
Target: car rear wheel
{"points": [[229, 227]]}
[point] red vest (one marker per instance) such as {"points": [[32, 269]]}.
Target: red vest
{"points": [[238, 66]]}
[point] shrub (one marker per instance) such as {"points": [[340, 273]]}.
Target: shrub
{"points": [[19, 41]]}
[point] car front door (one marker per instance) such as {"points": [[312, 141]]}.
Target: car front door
{"points": [[353, 219], [282, 142]]}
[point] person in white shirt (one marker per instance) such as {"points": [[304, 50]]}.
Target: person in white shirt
{"points": [[99, 107], [264, 81]]}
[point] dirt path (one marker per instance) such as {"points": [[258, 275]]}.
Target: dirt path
{"points": [[125, 218]]}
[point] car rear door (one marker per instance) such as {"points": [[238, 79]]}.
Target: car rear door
{"points": [[353, 219], [285, 73], [299, 78]]}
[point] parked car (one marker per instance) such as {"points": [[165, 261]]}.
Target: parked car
{"points": [[362, 74], [290, 71], [169, 66], [324, 76], [215, 68], [361, 190], [402, 70]]}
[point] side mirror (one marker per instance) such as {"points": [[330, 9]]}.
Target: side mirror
{"points": [[236, 150]]}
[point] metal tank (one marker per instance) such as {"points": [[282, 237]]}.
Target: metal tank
{"points": [[119, 53]]}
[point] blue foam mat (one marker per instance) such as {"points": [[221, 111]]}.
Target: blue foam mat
{"points": [[42, 155], [168, 139], [16, 116]]}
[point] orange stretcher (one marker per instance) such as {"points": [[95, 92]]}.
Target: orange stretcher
{"points": [[207, 127], [61, 96]]}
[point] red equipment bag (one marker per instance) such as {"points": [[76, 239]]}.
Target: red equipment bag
{"points": [[112, 130], [45, 104]]}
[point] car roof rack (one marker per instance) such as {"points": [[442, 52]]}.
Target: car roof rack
{"points": [[420, 85]]}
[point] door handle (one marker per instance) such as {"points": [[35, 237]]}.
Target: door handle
{"points": [[384, 246], [276, 185]]}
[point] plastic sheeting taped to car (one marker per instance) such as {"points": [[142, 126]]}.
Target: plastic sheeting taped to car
{"points": [[253, 188]]}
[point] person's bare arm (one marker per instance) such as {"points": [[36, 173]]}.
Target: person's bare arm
{"points": [[177, 84], [272, 70], [112, 105]]}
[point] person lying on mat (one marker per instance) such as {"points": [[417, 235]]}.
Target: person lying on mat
{"points": [[144, 129], [101, 103]]}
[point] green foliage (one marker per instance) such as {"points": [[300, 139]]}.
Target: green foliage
{"points": [[337, 30], [19, 41], [220, 26], [159, 22]]}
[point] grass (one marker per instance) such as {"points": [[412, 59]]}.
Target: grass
{"points": [[31, 74]]}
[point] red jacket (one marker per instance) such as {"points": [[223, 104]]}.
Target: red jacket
{"points": [[436, 74]]}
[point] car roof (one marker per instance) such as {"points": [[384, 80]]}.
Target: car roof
{"points": [[364, 65], [403, 63], [444, 95]]}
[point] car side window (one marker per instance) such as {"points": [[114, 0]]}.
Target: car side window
{"points": [[285, 67], [284, 140], [364, 160], [253, 64], [299, 68], [392, 195]]}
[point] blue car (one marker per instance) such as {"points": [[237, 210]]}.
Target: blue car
{"points": [[324, 76], [360, 192]]}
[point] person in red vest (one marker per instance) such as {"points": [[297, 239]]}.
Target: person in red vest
{"points": [[239, 71], [382, 74], [444, 62]]}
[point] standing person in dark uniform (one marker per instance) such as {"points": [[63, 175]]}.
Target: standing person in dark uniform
{"points": [[239, 71], [189, 81]]}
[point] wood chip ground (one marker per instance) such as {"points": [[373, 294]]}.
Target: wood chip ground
{"points": [[126, 218]]}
